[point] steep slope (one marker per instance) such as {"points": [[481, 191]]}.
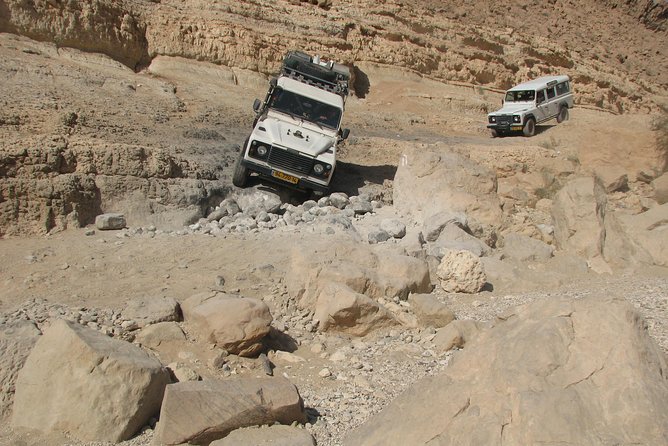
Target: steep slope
{"points": [[615, 51]]}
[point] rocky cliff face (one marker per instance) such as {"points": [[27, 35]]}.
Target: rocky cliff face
{"points": [[615, 51]]}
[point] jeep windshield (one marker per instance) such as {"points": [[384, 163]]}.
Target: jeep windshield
{"points": [[305, 108], [520, 96]]}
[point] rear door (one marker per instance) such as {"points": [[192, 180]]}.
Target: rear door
{"points": [[542, 106], [552, 107]]}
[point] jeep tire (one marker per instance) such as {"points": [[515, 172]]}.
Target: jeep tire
{"points": [[241, 174], [529, 127], [563, 115], [495, 133]]}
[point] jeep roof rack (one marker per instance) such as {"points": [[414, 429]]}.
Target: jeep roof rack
{"points": [[326, 75]]}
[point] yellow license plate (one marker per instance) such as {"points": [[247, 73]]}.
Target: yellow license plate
{"points": [[285, 177], [516, 127]]}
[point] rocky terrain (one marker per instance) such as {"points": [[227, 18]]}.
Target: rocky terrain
{"points": [[522, 281]]}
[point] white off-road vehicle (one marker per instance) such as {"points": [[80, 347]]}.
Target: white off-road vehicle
{"points": [[298, 126], [531, 103]]}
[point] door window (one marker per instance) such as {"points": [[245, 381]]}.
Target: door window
{"points": [[551, 93], [540, 97]]}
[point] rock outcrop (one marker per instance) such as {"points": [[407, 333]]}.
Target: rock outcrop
{"points": [[438, 184], [80, 381], [556, 371]]}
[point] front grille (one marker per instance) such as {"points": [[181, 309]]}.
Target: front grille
{"points": [[289, 161], [504, 119]]}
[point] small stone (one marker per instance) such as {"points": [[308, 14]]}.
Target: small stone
{"points": [[110, 221], [325, 373]]}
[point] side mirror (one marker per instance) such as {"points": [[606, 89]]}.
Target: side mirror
{"points": [[273, 82], [345, 133], [256, 105], [502, 102]]}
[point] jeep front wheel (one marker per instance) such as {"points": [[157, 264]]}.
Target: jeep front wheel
{"points": [[563, 115], [240, 176], [529, 127]]}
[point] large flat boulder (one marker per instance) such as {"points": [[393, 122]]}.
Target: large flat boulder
{"points": [[17, 339], [199, 412], [232, 322], [80, 381], [277, 435], [568, 372]]}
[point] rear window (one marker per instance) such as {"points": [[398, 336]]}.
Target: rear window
{"points": [[563, 88]]}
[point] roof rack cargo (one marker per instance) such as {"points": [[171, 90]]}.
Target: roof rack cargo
{"points": [[327, 75]]}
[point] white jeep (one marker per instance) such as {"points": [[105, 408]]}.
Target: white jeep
{"points": [[298, 126], [531, 103]]}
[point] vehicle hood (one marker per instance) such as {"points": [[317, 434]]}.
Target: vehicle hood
{"points": [[510, 108], [296, 135]]}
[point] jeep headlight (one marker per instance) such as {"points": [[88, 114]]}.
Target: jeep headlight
{"points": [[517, 118], [492, 119], [259, 150], [321, 169]]}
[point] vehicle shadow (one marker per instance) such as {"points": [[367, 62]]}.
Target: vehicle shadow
{"points": [[350, 178]]}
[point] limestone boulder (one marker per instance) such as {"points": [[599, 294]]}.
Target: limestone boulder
{"points": [[232, 322], [660, 186], [375, 273], [436, 179], [394, 227], [455, 335], [398, 275], [578, 216], [199, 412], [521, 247], [454, 237], [435, 223], [80, 381], [339, 308], [557, 371], [151, 310], [277, 435], [155, 335], [17, 339], [636, 240], [254, 200], [613, 178], [110, 221], [430, 312], [461, 272]]}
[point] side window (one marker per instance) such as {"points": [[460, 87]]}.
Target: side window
{"points": [[550, 93], [540, 96], [562, 88]]}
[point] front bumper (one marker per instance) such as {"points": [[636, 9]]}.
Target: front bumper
{"points": [[303, 183]]}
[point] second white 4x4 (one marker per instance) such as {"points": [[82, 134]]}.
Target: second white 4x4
{"points": [[531, 103]]}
